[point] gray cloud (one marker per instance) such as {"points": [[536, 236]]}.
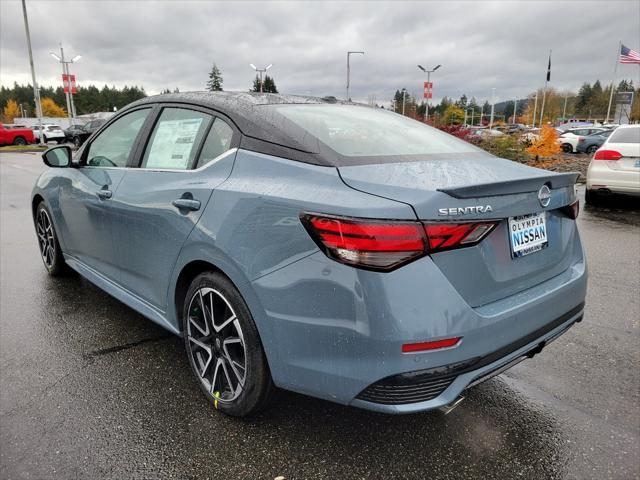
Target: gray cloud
{"points": [[167, 44]]}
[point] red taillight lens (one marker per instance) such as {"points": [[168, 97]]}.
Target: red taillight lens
{"points": [[572, 210], [433, 345], [378, 245], [445, 236], [386, 244], [607, 155]]}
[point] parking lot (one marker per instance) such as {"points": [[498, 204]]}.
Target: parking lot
{"points": [[91, 389]]}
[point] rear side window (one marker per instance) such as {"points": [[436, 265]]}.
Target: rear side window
{"points": [[625, 135], [175, 139], [358, 131], [113, 146], [218, 141]]}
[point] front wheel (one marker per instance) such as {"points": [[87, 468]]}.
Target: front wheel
{"points": [[19, 141], [50, 250], [224, 348]]}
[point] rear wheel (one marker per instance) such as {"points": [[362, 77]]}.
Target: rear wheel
{"points": [[50, 250], [567, 148], [77, 142], [592, 149], [590, 197], [224, 348], [19, 141]]}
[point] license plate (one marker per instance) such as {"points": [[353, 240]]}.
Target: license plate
{"points": [[528, 234]]}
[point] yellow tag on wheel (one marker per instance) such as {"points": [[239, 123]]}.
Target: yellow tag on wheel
{"points": [[216, 395]]}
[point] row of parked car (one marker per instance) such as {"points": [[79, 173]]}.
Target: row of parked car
{"points": [[20, 135]]}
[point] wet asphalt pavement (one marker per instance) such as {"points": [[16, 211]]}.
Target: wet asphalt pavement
{"points": [[91, 389]]}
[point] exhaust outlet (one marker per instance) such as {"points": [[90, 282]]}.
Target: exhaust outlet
{"points": [[447, 409]]}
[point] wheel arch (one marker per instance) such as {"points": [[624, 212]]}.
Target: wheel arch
{"points": [[188, 272], [35, 201]]}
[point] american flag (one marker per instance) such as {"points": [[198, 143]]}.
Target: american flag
{"points": [[629, 56]]}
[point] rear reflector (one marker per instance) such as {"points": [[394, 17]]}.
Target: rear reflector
{"points": [[434, 345], [607, 155], [384, 245]]}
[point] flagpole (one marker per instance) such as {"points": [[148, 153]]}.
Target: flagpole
{"points": [[544, 92], [615, 72], [535, 110]]}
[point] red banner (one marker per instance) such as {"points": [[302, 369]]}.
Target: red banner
{"points": [[428, 90], [69, 83]]}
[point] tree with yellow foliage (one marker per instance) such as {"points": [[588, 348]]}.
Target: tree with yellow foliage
{"points": [[546, 144], [11, 111], [51, 108]]}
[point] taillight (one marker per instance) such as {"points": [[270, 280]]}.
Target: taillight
{"points": [[607, 155], [572, 210], [445, 236], [378, 245], [386, 244]]}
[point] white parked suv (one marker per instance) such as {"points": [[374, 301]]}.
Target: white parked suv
{"points": [[615, 167], [568, 140], [51, 132]]}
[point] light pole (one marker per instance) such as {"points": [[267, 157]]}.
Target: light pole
{"points": [[404, 96], [493, 103], [260, 71], [36, 90], [428, 72], [65, 71], [349, 72]]}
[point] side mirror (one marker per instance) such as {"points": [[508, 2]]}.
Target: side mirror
{"points": [[57, 157]]}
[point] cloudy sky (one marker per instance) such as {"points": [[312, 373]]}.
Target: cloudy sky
{"points": [[481, 45]]}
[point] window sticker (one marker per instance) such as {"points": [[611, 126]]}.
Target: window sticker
{"points": [[173, 141]]}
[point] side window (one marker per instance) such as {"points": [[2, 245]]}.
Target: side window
{"points": [[218, 141], [175, 139], [113, 147]]}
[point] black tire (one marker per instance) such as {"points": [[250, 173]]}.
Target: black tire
{"points": [[77, 142], [591, 197], [46, 140], [592, 149], [19, 141], [567, 148], [60, 141], [257, 388], [50, 250]]}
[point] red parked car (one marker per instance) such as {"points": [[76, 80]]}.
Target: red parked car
{"points": [[10, 135]]}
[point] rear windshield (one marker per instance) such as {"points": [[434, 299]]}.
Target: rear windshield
{"points": [[358, 131], [625, 135]]}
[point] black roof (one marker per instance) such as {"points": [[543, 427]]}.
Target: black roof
{"points": [[263, 129]]}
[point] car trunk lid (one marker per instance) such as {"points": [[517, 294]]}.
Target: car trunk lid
{"points": [[481, 188]]}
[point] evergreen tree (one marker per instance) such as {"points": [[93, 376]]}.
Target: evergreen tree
{"points": [[215, 79], [269, 85]]}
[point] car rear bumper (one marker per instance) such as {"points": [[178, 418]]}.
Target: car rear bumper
{"points": [[445, 384], [332, 331], [601, 177]]}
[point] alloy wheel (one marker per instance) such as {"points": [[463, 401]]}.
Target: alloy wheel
{"points": [[46, 239], [216, 344]]}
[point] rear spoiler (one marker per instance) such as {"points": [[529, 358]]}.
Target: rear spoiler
{"points": [[510, 187]]}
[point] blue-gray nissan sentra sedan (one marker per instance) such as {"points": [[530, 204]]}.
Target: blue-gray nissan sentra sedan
{"points": [[319, 246]]}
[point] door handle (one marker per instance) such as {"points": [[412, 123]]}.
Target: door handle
{"points": [[104, 194], [186, 204]]}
